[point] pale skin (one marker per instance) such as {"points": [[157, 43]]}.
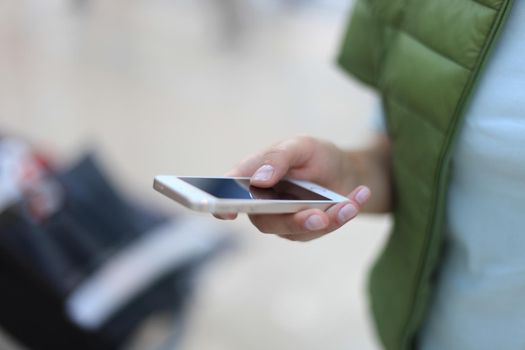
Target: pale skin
{"points": [[362, 174]]}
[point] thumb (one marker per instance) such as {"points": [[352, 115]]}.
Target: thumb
{"points": [[267, 175], [275, 163]]}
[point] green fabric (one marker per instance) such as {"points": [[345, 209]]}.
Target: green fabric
{"points": [[424, 57]]}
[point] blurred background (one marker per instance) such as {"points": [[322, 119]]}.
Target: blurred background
{"points": [[191, 87]]}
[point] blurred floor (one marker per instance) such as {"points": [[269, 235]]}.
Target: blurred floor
{"points": [[192, 87]]}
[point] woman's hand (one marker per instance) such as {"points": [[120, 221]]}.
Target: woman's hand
{"points": [[309, 159]]}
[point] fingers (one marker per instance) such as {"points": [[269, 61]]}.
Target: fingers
{"points": [[226, 216], [341, 213], [306, 221], [312, 223], [268, 167]]}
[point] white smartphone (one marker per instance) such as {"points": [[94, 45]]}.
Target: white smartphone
{"points": [[236, 195]]}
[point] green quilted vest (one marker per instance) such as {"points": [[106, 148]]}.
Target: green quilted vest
{"points": [[424, 57]]}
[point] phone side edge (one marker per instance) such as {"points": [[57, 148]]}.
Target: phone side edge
{"points": [[165, 188], [318, 189]]}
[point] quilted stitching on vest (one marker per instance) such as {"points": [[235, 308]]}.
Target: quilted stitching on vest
{"points": [[424, 56]]}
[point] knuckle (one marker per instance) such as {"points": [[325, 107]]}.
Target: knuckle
{"points": [[265, 230], [291, 225], [260, 223], [305, 140], [273, 155]]}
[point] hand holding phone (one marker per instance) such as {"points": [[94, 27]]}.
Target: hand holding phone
{"points": [[321, 162], [305, 158], [236, 195]]}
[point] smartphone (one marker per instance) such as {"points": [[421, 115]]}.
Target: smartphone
{"points": [[236, 195]]}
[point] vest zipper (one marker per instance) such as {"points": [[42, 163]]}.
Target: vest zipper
{"points": [[443, 179]]}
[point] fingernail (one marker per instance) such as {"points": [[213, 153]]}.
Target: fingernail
{"points": [[314, 223], [264, 173], [346, 213], [362, 195]]}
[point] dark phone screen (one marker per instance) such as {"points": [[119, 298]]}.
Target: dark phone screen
{"points": [[241, 189]]}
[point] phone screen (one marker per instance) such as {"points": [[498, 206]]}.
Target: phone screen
{"points": [[241, 189]]}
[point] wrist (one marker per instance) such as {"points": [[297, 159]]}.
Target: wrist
{"points": [[370, 167]]}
